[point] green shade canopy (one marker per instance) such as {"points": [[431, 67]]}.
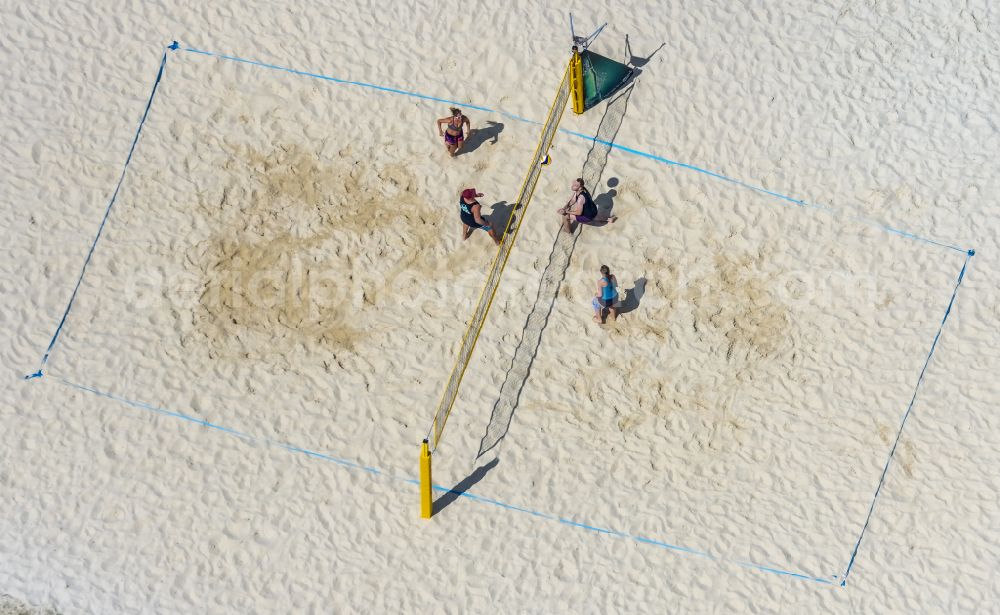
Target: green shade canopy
{"points": [[601, 77]]}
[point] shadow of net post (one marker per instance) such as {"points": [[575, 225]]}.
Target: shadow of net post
{"points": [[548, 287], [463, 485]]}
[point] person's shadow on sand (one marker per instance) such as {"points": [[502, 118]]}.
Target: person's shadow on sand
{"points": [[632, 297], [501, 216], [491, 132], [605, 204], [464, 485]]}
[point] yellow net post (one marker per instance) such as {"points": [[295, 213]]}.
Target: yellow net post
{"points": [[576, 81], [426, 489]]}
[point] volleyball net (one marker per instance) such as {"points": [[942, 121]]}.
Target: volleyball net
{"points": [[551, 280], [478, 318]]}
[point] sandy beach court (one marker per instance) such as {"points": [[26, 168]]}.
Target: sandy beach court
{"points": [[221, 361]]}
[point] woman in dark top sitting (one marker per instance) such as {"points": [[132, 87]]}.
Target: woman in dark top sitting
{"points": [[579, 208]]}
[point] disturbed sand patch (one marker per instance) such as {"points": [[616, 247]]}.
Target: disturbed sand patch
{"points": [[303, 249]]}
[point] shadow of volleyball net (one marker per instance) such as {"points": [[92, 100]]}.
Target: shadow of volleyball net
{"points": [[548, 287]]}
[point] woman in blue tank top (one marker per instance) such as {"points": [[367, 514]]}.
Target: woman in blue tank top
{"points": [[607, 296]]}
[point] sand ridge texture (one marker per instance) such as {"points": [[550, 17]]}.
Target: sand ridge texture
{"points": [[283, 267]]}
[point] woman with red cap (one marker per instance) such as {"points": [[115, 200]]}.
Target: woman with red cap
{"points": [[470, 211]]}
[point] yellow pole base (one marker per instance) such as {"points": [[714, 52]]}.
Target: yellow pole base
{"points": [[426, 492]]}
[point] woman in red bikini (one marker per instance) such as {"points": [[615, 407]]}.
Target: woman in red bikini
{"points": [[451, 128]]}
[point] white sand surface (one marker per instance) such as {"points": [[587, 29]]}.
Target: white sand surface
{"points": [[229, 420]]}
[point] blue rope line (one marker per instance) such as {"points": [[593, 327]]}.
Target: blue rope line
{"points": [[777, 195], [579, 135], [371, 471], [336, 80], [107, 212], [375, 471], [175, 46], [197, 421], [906, 415]]}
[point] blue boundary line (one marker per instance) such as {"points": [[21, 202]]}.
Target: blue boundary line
{"points": [[591, 138], [175, 46], [104, 220], [372, 471], [375, 471], [906, 415]]}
